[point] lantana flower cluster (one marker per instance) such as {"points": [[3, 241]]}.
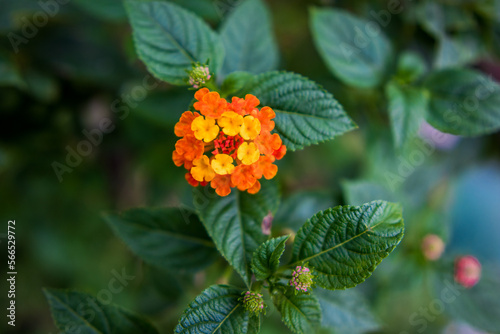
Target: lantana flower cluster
{"points": [[227, 144], [253, 302], [302, 278], [199, 75]]}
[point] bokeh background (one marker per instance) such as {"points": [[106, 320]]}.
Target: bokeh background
{"points": [[79, 66]]}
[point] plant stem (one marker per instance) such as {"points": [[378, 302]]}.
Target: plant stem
{"points": [[257, 286], [211, 85]]}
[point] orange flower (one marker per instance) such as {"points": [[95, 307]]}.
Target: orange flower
{"points": [[244, 106], [222, 185], [265, 167], [230, 146], [250, 128], [200, 93], [205, 129], [223, 164], [268, 143], [179, 160], [190, 179], [211, 104], [230, 123], [188, 149], [238, 106], [202, 171], [251, 102], [280, 153], [255, 188], [183, 127], [243, 177], [265, 116], [248, 153]]}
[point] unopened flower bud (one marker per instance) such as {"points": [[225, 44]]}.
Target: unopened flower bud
{"points": [[467, 271], [432, 247], [302, 278], [199, 75], [267, 223], [253, 302]]}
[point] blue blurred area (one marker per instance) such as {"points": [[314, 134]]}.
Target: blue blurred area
{"points": [[476, 213]]}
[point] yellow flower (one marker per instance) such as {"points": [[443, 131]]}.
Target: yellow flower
{"points": [[250, 128], [230, 123], [223, 164], [202, 171], [248, 153], [205, 129]]}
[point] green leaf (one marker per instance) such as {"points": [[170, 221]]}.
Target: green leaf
{"points": [[306, 114], [458, 51], [204, 8], [169, 39], [235, 82], [217, 310], [234, 222], [300, 312], [463, 102], [266, 258], [345, 244], [407, 108], [170, 238], [431, 17], [346, 312], [353, 51], [248, 38], [76, 312], [411, 67]]}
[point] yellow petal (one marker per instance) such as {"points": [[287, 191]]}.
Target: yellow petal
{"points": [[230, 123], [222, 164], [205, 129], [248, 153], [201, 170], [250, 128]]}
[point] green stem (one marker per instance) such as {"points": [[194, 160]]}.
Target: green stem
{"points": [[257, 286], [211, 85]]}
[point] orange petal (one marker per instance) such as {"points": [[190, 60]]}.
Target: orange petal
{"points": [[238, 106], [280, 153], [243, 177], [190, 179], [222, 185], [183, 127], [255, 188], [265, 167], [251, 102], [200, 93]]}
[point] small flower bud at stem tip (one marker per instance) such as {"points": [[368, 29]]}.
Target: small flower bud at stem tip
{"points": [[467, 271], [302, 278], [253, 302], [199, 75], [432, 247]]}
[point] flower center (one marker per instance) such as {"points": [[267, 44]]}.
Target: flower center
{"points": [[227, 144]]}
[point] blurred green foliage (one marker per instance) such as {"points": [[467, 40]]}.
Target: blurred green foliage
{"points": [[80, 67]]}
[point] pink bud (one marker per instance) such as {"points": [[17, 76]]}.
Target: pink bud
{"points": [[467, 271], [432, 247], [267, 223]]}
